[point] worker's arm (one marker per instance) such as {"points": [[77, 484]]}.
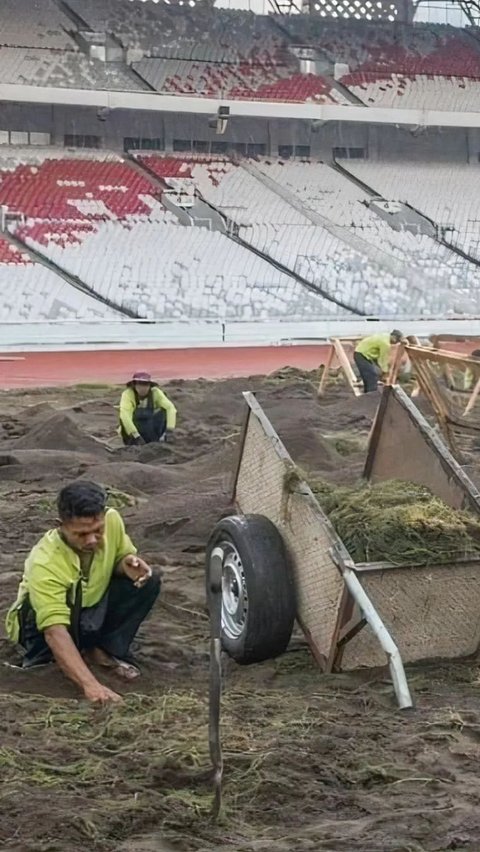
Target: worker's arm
{"points": [[70, 661], [48, 592], [161, 400], [384, 356], [127, 410]]}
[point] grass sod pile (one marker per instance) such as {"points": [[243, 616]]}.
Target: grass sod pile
{"points": [[398, 522]]}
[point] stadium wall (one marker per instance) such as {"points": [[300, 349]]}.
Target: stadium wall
{"points": [[112, 129]]}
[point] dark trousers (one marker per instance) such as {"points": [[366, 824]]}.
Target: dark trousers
{"points": [[369, 372], [112, 624], [150, 425]]}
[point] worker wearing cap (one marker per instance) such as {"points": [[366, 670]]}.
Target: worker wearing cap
{"points": [[146, 413], [372, 356]]}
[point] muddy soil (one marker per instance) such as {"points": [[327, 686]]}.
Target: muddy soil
{"points": [[313, 762]]}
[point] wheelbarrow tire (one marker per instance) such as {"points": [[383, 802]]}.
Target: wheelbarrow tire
{"points": [[258, 594]]}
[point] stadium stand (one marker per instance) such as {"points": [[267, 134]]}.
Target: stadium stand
{"points": [[268, 80], [99, 187], [210, 237], [69, 69], [416, 92], [203, 51], [38, 24], [326, 191], [171, 31], [100, 220], [382, 47], [447, 76], [31, 292], [441, 191], [172, 272], [362, 262]]}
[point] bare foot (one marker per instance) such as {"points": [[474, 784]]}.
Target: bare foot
{"points": [[120, 668]]}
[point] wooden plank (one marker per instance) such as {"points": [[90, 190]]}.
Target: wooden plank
{"points": [[473, 398], [346, 366], [323, 380], [438, 339], [395, 364], [438, 404], [352, 627], [442, 356], [344, 615], [239, 455], [421, 358], [375, 432], [460, 423], [430, 389]]}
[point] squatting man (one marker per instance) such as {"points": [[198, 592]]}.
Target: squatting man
{"points": [[84, 594], [146, 413]]}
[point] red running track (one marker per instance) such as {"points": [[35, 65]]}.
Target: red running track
{"points": [[46, 369]]}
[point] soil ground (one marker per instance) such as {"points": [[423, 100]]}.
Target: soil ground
{"points": [[313, 762]]}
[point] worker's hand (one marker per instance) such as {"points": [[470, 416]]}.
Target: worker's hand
{"points": [[136, 570], [100, 694], [169, 436], [138, 441]]}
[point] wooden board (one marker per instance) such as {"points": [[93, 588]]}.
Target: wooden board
{"points": [[337, 350], [404, 446]]}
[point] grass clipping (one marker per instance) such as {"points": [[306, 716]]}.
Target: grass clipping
{"points": [[398, 522]]}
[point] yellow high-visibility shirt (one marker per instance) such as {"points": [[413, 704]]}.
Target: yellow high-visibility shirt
{"points": [[52, 573], [377, 349], [128, 405]]}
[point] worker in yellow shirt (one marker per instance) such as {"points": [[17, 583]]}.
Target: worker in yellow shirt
{"points": [[84, 594], [146, 413], [372, 356]]}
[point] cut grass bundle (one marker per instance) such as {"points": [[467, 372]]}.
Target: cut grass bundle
{"points": [[398, 522]]}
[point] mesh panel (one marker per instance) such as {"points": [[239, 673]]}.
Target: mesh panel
{"points": [[387, 10], [430, 612], [260, 490]]}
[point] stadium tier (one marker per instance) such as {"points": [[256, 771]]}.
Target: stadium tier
{"points": [[30, 291], [199, 50], [440, 191], [284, 239]]}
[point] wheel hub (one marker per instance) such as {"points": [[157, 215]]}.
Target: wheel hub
{"points": [[234, 592]]}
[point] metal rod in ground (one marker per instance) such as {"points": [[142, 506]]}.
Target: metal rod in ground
{"points": [[215, 687]]}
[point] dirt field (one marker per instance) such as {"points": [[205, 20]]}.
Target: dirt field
{"points": [[312, 762]]}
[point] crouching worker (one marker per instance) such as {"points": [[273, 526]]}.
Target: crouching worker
{"points": [[146, 413], [84, 593], [372, 356]]}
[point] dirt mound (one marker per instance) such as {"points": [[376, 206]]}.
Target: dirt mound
{"points": [[135, 478], [344, 411], [59, 432], [306, 445], [37, 413], [21, 465]]}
